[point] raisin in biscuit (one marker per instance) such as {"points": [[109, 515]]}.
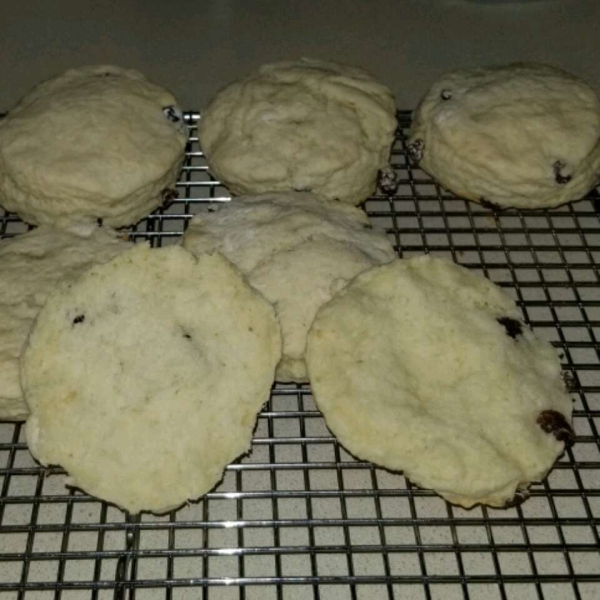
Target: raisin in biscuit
{"points": [[520, 135], [296, 249], [32, 265], [303, 125], [98, 142], [421, 366], [145, 377]]}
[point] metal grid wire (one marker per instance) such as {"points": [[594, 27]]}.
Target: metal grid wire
{"points": [[301, 518]]}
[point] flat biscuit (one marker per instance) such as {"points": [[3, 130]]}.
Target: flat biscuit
{"points": [[520, 135], [32, 265], [296, 249], [145, 377], [423, 367], [303, 125], [98, 142]]}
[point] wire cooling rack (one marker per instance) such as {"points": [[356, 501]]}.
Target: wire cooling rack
{"points": [[299, 517]]}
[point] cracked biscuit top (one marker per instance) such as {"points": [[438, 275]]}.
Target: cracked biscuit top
{"points": [[303, 125], [97, 142]]}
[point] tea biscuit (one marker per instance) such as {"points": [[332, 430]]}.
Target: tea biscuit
{"points": [[303, 125], [520, 135], [32, 265], [145, 377], [98, 142], [421, 366]]}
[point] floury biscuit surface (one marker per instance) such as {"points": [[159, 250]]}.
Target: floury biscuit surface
{"points": [[421, 366], [98, 142], [297, 249], [146, 376], [304, 125], [33, 265], [521, 135]]}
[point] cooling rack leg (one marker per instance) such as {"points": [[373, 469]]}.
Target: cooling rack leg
{"points": [[122, 572]]}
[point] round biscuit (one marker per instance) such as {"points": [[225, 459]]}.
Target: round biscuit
{"points": [[145, 377], [304, 125], [423, 367], [521, 135], [97, 142]]}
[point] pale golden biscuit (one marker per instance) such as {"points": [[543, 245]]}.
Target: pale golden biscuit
{"points": [[145, 377], [303, 125], [98, 142], [421, 366], [297, 249], [32, 265], [521, 135]]}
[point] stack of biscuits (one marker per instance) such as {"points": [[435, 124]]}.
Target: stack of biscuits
{"points": [[142, 371]]}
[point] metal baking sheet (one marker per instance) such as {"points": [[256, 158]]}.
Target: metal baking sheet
{"points": [[301, 518]]}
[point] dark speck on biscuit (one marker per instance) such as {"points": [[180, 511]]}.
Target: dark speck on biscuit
{"points": [[551, 421], [168, 195], [78, 319], [561, 179], [488, 204], [416, 149], [387, 181], [512, 326], [518, 499], [569, 380], [171, 114]]}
